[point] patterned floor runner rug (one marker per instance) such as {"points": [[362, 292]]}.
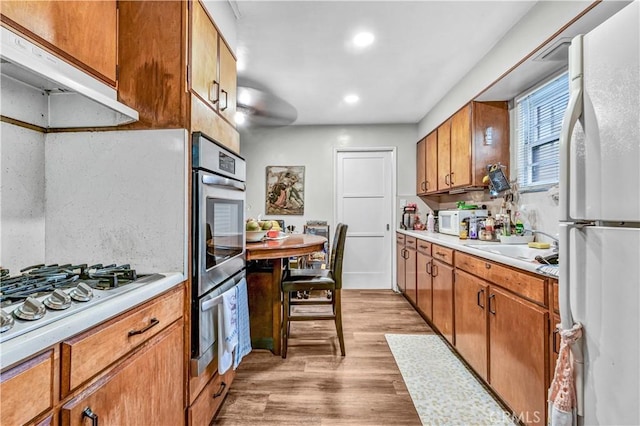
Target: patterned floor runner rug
{"points": [[443, 390]]}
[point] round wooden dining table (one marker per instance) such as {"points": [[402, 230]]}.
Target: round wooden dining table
{"points": [[266, 263]]}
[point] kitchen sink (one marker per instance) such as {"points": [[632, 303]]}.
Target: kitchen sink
{"points": [[522, 252]]}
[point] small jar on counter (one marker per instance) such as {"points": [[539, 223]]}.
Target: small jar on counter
{"points": [[463, 234]]}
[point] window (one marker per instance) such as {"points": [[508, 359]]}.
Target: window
{"points": [[539, 114]]}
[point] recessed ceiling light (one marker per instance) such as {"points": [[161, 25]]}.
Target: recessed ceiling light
{"points": [[351, 99], [363, 39], [240, 118]]}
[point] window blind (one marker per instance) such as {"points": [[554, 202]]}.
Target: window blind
{"points": [[539, 116]]}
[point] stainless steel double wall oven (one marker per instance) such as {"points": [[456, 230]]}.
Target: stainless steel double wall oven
{"points": [[218, 177]]}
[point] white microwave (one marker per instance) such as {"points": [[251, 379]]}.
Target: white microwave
{"points": [[449, 220]]}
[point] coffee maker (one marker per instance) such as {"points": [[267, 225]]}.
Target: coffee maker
{"points": [[407, 217]]}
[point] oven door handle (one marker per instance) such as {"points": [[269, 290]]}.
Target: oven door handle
{"points": [[211, 303], [213, 180]]}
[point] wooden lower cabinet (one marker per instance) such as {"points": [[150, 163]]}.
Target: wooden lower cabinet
{"points": [[28, 389], [410, 290], [471, 321], [143, 389], [400, 268], [424, 269], [518, 350], [210, 399], [443, 299]]}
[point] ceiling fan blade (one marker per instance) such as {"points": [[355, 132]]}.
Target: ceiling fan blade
{"points": [[262, 108]]}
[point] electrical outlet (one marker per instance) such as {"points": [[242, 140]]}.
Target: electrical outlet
{"points": [[403, 203]]}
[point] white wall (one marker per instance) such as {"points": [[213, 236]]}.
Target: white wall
{"points": [[22, 198], [313, 147]]}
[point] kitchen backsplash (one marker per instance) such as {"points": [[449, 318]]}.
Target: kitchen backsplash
{"points": [[22, 197], [101, 197]]}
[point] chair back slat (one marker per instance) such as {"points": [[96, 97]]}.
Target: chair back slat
{"points": [[337, 255]]}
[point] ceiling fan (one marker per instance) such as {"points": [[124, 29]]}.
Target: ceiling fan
{"points": [[260, 107]]}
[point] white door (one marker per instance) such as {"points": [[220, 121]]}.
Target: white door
{"points": [[365, 180]]}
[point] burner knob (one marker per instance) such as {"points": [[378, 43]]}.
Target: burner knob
{"points": [[82, 293], [31, 310], [58, 300], [6, 321]]}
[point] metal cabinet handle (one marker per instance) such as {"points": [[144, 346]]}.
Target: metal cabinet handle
{"points": [[434, 268], [87, 412], [440, 254], [428, 267], [492, 297], [213, 92], [220, 391], [152, 323], [487, 265], [480, 292], [555, 342], [226, 100], [446, 179]]}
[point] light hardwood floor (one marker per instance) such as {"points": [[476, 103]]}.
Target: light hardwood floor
{"points": [[314, 385]]}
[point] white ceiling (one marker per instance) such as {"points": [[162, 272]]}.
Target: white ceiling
{"points": [[301, 51]]}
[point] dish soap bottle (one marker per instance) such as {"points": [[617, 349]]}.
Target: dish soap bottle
{"points": [[431, 223], [519, 225]]}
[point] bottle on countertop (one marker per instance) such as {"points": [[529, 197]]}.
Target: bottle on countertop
{"points": [[463, 234], [473, 226], [431, 223], [506, 224], [519, 226]]}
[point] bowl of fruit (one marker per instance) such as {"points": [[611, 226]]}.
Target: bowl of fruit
{"points": [[255, 230]]}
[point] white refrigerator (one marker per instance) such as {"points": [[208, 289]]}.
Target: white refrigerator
{"points": [[600, 218]]}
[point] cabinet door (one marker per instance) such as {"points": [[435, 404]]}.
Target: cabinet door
{"points": [[145, 389], [461, 148], [204, 56], [471, 320], [444, 155], [431, 160], [443, 299], [421, 172], [423, 277], [228, 83], [410, 276], [82, 32], [518, 354], [554, 346], [400, 267]]}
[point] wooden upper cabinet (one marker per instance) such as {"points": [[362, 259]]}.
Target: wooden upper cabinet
{"points": [[84, 33], [204, 57], [444, 155], [228, 83], [421, 167], [457, 152], [460, 171], [431, 159]]}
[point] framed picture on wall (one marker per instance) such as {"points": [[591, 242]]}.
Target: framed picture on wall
{"points": [[285, 190]]}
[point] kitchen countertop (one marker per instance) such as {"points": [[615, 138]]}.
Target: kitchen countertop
{"points": [[456, 243], [22, 347]]}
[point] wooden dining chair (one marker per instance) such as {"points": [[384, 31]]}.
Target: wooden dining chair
{"points": [[329, 279]]}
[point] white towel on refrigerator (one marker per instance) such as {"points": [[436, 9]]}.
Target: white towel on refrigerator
{"points": [[227, 329]]}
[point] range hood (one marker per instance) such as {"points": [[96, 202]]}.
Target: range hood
{"points": [[43, 90]]}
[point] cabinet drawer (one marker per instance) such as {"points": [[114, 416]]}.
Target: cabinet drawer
{"points": [[27, 390], [531, 287], [410, 243], [206, 405], [424, 247], [400, 238], [443, 254], [472, 265], [86, 355]]}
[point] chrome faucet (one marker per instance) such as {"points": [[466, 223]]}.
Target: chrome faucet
{"points": [[556, 242]]}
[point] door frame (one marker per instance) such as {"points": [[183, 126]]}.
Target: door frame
{"points": [[392, 206]]}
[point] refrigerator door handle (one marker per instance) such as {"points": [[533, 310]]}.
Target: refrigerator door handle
{"points": [[571, 116], [564, 302]]}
